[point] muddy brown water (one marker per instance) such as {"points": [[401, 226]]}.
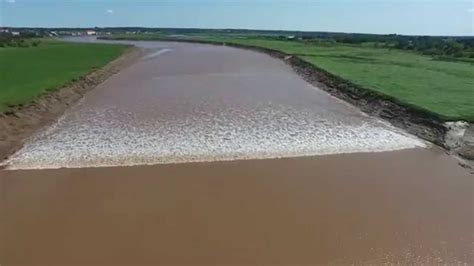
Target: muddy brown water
{"points": [[412, 206], [181, 103]]}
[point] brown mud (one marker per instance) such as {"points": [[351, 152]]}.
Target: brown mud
{"points": [[20, 122], [411, 207]]}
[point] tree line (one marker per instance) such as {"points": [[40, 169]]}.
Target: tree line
{"points": [[23, 41], [428, 45]]}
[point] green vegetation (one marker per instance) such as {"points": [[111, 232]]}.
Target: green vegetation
{"points": [[29, 72], [454, 47], [444, 87], [461, 47], [18, 42]]}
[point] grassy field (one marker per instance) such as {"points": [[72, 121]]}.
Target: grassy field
{"points": [[29, 72], [445, 88], [442, 87]]}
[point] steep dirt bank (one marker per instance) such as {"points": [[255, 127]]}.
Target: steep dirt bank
{"points": [[20, 122]]}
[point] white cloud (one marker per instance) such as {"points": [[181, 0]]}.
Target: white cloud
{"points": [[10, 1], [108, 11]]}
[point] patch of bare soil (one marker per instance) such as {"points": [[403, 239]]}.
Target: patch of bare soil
{"points": [[20, 122]]}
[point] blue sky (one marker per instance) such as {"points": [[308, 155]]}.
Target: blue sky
{"points": [[431, 17]]}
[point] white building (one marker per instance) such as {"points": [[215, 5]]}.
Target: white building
{"points": [[91, 33]]}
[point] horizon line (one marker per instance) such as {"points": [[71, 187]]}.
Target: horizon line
{"points": [[236, 29]]}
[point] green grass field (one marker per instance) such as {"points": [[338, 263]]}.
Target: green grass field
{"points": [[27, 73], [445, 88], [442, 87]]}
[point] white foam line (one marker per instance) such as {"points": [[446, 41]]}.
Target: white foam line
{"points": [[272, 133], [175, 161], [158, 53]]}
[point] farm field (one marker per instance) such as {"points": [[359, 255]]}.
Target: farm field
{"points": [[31, 71]]}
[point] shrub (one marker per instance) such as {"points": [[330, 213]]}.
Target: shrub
{"points": [[12, 44]]}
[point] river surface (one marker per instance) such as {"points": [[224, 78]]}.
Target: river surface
{"points": [[372, 195], [193, 102], [412, 207]]}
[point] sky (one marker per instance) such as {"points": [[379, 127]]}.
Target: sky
{"points": [[413, 17]]}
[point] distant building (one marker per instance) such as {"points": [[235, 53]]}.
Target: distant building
{"points": [[15, 33], [91, 33]]}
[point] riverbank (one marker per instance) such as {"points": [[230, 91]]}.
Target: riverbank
{"points": [[19, 121]]}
